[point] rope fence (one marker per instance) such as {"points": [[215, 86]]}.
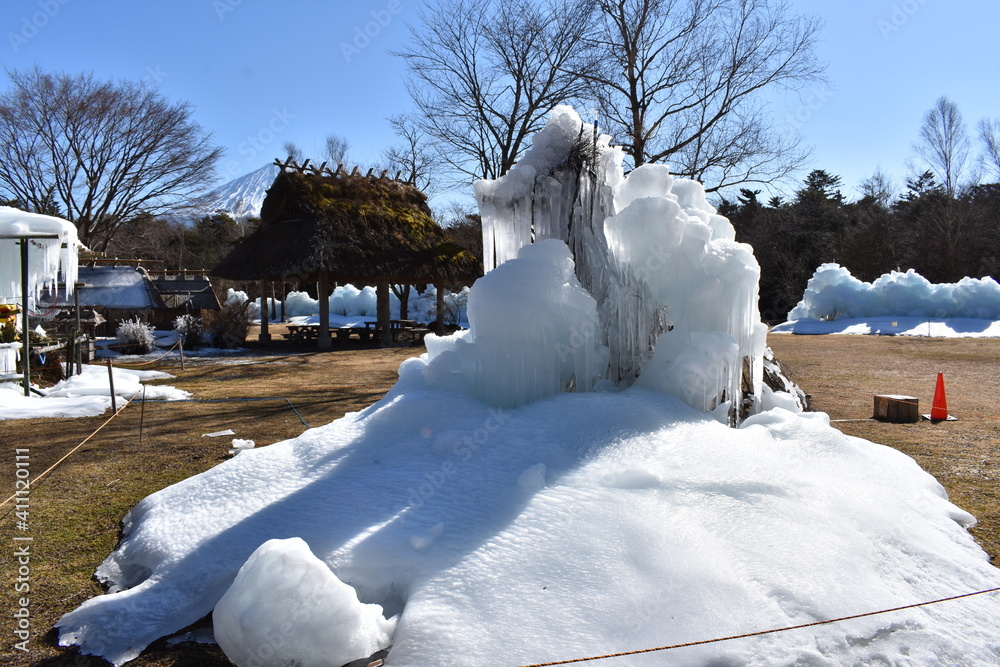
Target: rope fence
{"points": [[760, 633], [52, 467]]}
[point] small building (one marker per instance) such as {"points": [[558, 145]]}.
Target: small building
{"points": [[117, 292], [320, 225]]}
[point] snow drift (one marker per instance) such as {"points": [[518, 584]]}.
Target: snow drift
{"points": [[833, 293]]}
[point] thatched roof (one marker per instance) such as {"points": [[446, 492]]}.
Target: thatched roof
{"points": [[356, 227]]}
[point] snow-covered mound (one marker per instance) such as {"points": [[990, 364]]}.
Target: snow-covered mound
{"points": [[833, 293], [241, 197], [577, 525]]}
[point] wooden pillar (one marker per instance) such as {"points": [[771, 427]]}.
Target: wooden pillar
{"points": [[382, 291], [25, 330], [439, 329], [265, 314], [323, 294]]}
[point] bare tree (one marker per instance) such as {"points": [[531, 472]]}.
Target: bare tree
{"points": [[293, 150], [98, 151], [944, 144], [413, 158], [484, 75], [335, 148], [989, 134], [878, 189], [680, 81]]}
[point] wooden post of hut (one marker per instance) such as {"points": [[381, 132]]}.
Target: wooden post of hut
{"points": [[384, 310], [439, 329], [265, 312], [323, 292]]}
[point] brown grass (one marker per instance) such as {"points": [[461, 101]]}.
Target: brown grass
{"points": [[76, 510]]}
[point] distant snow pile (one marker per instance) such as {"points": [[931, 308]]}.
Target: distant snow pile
{"points": [[833, 293], [895, 304], [349, 301], [84, 395]]}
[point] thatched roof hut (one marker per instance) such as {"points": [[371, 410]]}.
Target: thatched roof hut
{"points": [[320, 225]]}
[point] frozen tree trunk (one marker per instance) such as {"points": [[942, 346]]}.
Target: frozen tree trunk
{"points": [[323, 341]]}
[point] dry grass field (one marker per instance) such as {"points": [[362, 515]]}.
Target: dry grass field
{"points": [[76, 509]]}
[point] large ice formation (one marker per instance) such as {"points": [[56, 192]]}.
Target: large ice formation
{"points": [[46, 256], [676, 295], [286, 601], [833, 293]]}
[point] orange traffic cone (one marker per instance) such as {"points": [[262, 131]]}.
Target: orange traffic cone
{"points": [[939, 410]]}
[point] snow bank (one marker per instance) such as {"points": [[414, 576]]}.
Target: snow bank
{"points": [[322, 621], [576, 525], [46, 257], [676, 295], [84, 395], [833, 293]]}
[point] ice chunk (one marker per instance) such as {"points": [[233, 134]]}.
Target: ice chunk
{"points": [[287, 608]]}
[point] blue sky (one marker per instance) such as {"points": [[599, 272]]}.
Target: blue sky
{"points": [[262, 73]]}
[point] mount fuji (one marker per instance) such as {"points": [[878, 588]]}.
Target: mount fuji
{"points": [[241, 197]]}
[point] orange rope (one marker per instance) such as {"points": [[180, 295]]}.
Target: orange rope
{"points": [[70, 452], [761, 632]]}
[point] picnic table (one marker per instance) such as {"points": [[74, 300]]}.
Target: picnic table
{"points": [[404, 328], [310, 332]]}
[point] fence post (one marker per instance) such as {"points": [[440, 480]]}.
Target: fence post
{"points": [[180, 343], [111, 381]]}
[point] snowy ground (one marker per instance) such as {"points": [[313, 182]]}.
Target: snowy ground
{"points": [[84, 395], [895, 326]]}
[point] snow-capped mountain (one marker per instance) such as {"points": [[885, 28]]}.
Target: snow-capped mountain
{"points": [[241, 197]]}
